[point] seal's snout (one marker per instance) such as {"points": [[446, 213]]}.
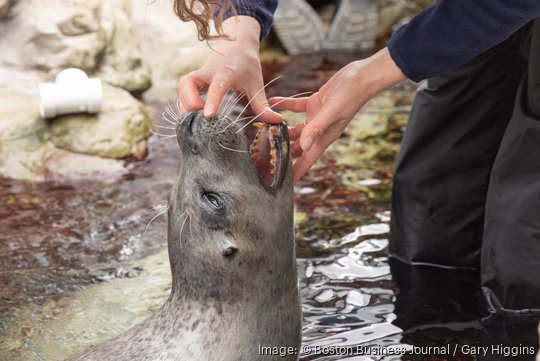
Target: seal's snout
{"points": [[189, 121], [267, 144]]}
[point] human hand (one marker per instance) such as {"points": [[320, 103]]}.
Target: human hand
{"points": [[233, 64], [330, 110]]}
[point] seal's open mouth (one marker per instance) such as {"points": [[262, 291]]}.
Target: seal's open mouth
{"points": [[267, 144], [269, 150]]}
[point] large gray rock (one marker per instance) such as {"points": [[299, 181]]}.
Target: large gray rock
{"points": [[52, 35], [93, 35], [41, 38], [120, 130], [5, 8], [122, 64], [28, 147], [168, 45]]}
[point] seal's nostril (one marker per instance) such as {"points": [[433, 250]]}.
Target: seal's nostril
{"points": [[190, 121]]}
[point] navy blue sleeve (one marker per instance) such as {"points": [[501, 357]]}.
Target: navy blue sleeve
{"points": [[261, 10], [452, 32]]}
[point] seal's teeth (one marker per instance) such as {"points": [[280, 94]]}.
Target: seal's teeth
{"points": [[254, 146], [273, 154], [274, 129], [259, 125]]}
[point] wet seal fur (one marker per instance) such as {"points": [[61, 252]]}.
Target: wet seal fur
{"points": [[231, 249]]}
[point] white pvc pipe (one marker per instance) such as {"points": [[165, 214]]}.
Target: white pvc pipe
{"points": [[72, 92]]}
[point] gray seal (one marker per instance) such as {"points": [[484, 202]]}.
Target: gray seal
{"points": [[231, 247]]}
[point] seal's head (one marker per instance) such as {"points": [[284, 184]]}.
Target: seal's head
{"points": [[233, 196], [231, 225]]}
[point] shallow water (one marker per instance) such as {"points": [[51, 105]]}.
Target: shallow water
{"points": [[78, 263]]}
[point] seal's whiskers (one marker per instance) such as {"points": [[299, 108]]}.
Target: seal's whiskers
{"points": [[281, 101], [163, 127], [179, 217], [163, 135], [210, 148], [182, 229], [160, 206], [231, 104], [178, 110], [153, 218], [165, 138], [164, 117], [225, 105], [171, 112], [249, 103], [232, 149]]}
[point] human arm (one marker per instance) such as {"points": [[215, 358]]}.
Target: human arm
{"points": [[452, 32], [330, 110], [234, 63], [437, 40]]}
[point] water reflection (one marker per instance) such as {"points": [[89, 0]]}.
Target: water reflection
{"points": [[347, 295], [358, 299]]}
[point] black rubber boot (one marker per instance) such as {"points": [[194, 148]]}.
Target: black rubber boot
{"points": [[434, 296]]}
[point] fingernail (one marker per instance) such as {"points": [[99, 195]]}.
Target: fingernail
{"points": [[269, 111], [209, 111], [307, 143]]}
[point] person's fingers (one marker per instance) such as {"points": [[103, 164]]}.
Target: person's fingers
{"points": [[262, 109], [297, 105], [316, 127], [219, 86], [308, 158], [296, 150], [188, 92], [294, 132]]}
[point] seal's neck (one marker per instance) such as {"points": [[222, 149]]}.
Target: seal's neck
{"points": [[242, 277], [257, 302]]}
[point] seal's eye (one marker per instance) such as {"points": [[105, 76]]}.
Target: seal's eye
{"points": [[213, 199]]}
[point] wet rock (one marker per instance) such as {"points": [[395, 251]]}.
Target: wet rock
{"points": [[117, 40], [96, 36], [110, 273], [122, 63], [26, 328], [20, 121], [120, 130], [61, 164], [63, 34], [5, 8], [23, 141], [26, 149], [168, 45], [46, 162]]}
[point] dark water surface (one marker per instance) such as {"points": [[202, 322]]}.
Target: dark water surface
{"points": [[76, 266]]}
